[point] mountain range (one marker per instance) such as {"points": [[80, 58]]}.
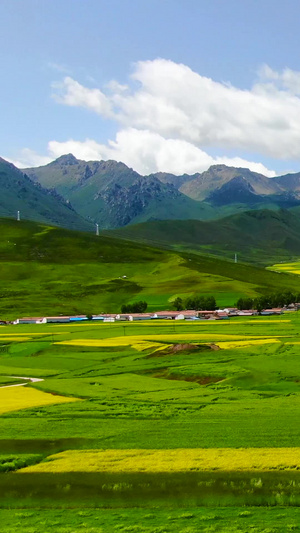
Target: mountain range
{"points": [[114, 195], [77, 194]]}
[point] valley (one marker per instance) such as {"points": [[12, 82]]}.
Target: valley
{"points": [[158, 425]]}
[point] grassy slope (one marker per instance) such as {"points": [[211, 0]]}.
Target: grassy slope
{"points": [[261, 236], [17, 192], [46, 270]]}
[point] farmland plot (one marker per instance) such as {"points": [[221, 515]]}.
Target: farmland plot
{"points": [[217, 415]]}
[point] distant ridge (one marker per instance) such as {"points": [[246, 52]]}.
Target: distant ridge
{"points": [[18, 192], [114, 195], [257, 236]]}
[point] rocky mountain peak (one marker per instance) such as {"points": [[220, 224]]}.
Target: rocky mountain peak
{"points": [[68, 159]]}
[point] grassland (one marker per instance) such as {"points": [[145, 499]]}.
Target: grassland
{"points": [[261, 237], [46, 271], [161, 439], [189, 520]]}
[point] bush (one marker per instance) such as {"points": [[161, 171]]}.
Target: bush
{"points": [[137, 307]]}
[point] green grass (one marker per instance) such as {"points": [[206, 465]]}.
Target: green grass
{"points": [[261, 237], [9, 381], [47, 271], [145, 399], [256, 387], [10, 462], [188, 520]]}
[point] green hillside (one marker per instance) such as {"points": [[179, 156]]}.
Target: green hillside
{"points": [[49, 270], [261, 236], [19, 193]]}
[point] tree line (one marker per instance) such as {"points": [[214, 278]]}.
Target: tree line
{"points": [[208, 303], [267, 301], [199, 303], [137, 307]]}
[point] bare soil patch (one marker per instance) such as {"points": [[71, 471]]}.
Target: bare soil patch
{"points": [[179, 348]]}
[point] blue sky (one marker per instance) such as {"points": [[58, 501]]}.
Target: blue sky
{"points": [[169, 85]]}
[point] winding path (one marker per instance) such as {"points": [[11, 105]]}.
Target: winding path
{"points": [[32, 380]]}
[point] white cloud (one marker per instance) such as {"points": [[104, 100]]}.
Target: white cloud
{"points": [[87, 150], [286, 80], [29, 158], [169, 118], [143, 150], [72, 93], [116, 88], [173, 101]]}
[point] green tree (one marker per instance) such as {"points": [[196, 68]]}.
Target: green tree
{"points": [[137, 307], [178, 304]]}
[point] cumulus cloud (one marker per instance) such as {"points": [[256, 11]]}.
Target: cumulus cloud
{"points": [[169, 118], [143, 150], [173, 101], [72, 93], [286, 80]]}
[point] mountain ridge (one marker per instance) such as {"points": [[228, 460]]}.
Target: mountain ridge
{"points": [[114, 195], [19, 193], [258, 236]]}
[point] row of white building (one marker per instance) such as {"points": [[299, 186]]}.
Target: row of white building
{"points": [[219, 314]]}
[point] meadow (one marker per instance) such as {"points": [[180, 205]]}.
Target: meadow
{"points": [[50, 271], [151, 426]]}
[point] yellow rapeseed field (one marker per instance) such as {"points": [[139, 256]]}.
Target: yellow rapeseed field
{"points": [[16, 398], [243, 344], [20, 334], [260, 320], [178, 460], [293, 268], [135, 341], [14, 339], [143, 342]]}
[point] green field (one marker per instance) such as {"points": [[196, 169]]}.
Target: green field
{"points": [[48, 271], [113, 436], [152, 386]]}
